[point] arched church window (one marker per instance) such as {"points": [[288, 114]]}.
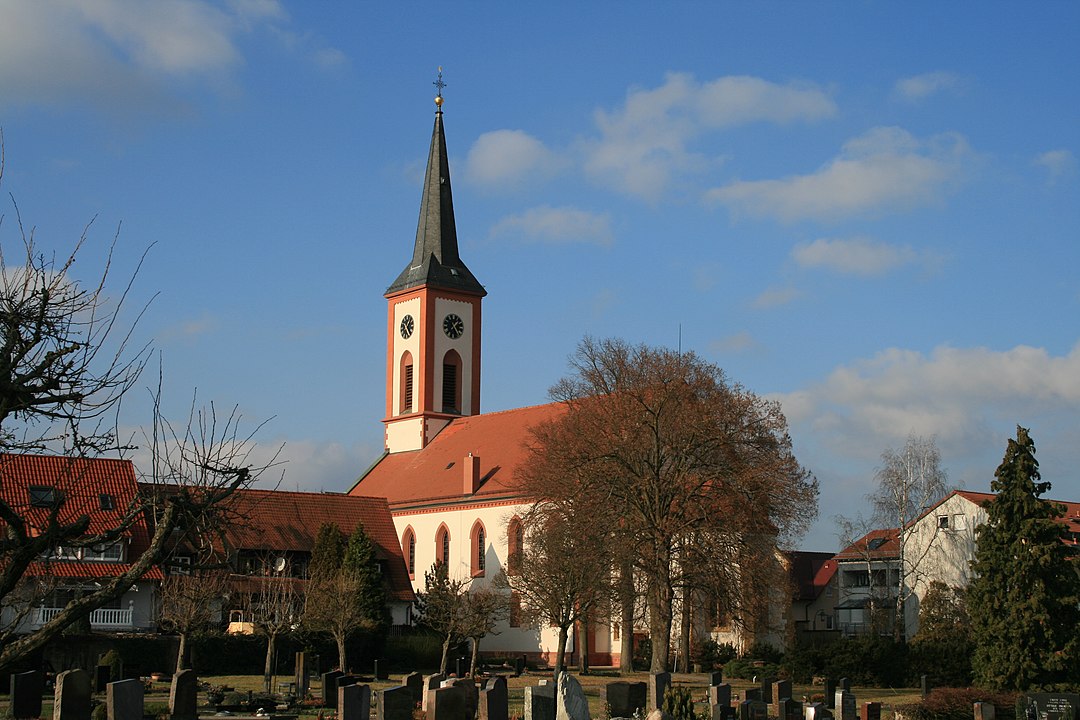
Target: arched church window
{"points": [[408, 546], [406, 394], [442, 545], [479, 549], [451, 383], [515, 545]]}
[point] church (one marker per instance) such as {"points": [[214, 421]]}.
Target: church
{"points": [[448, 472]]}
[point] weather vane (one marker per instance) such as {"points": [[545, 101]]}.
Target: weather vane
{"points": [[439, 85]]}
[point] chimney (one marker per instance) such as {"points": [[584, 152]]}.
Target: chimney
{"points": [[472, 474]]}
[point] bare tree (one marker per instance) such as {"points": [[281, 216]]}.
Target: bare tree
{"points": [[441, 607], [659, 445], [909, 482], [484, 608], [190, 603], [66, 361], [275, 611]]}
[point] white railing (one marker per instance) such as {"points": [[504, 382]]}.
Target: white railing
{"points": [[105, 619]]}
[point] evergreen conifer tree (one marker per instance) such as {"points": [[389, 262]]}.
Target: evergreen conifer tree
{"points": [[371, 591], [1024, 599]]}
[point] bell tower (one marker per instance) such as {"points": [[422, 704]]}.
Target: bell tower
{"points": [[433, 318]]}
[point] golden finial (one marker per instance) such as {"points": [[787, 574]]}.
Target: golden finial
{"points": [[439, 85]]}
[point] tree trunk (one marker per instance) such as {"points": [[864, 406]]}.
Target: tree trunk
{"points": [[181, 653], [626, 619], [268, 666], [684, 631], [660, 621], [559, 652], [583, 646], [340, 638], [445, 654], [475, 657]]}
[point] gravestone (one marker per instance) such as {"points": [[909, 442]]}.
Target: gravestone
{"points": [[766, 690], [984, 711], [26, 689], [720, 702], [71, 697], [716, 678], [830, 692], [816, 711], [924, 685], [430, 683], [494, 700], [184, 696], [752, 694], [519, 666], [658, 685], [872, 711], [330, 688], [788, 709], [571, 703], [102, 678], [845, 684], [302, 674], [448, 703], [845, 708], [124, 700], [354, 702], [1045, 706], [540, 702], [626, 697], [468, 686], [415, 682], [395, 703], [753, 710], [381, 669], [462, 666], [781, 690]]}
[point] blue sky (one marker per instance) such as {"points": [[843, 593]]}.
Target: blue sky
{"points": [[867, 211]]}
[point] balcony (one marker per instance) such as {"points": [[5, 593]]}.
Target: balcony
{"points": [[101, 619]]}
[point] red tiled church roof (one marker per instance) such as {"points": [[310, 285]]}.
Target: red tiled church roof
{"points": [[276, 520], [435, 474], [81, 483]]}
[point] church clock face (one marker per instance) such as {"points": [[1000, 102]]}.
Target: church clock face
{"points": [[407, 326], [453, 326]]}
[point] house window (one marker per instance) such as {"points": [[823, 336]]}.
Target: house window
{"points": [[42, 496], [451, 383], [406, 384], [112, 553], [958, 522], [515, 541], [856, 578], [180, 565], [106, 501], [479, 549], [408, 545], [943, 522], [442, 545]]}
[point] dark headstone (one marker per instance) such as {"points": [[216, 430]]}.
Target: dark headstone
{"points": [[448, 703], [781, 690], [816, 711], [753, 710], [354, 702], [382, 670], [462, 667], [788, 709], [1047, 706], [752, 694], [844, 684], [519, 666], [830, 692], [102, 677], [924, 685], [468, 686], [570, 700], [395, 703], [845, 708], [872, 711], [716, 678], [124, 700], [719, 702], [984, 711], [184, 696], [431, 683], [540, 702], [494, 700], [71, 697], [625, 697], [330, 688], [415, 682], [26, 690], [766, 690], [658, 685], [347, 680]]}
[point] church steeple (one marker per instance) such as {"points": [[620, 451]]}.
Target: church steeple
{"points": [[435, 261], [433, 319]]}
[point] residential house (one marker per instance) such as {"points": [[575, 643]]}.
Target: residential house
{"points": [[45, 489], [868, 580], [814, 593]]}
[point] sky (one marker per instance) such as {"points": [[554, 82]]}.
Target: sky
{"points": [[868, 212]]}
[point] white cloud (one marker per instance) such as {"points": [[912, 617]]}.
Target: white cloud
{"points": [[507, 158], [853, 256], [1058, 164], [885, 169], [737, 343], [963, 396], [775, 297], [919, 87], [644, 145], [561, 225]]}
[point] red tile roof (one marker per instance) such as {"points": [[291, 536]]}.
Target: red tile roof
{"points": [[435, 474], [876, 544], [276, 520], [810, 572], [80, 482]]}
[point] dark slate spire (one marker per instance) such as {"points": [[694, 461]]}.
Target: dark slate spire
{"points": [[435, 261]]}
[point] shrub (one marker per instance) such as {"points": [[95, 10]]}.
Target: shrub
{"points": [[956, 704], [679, 703], [748, 669], [711, 654]]}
